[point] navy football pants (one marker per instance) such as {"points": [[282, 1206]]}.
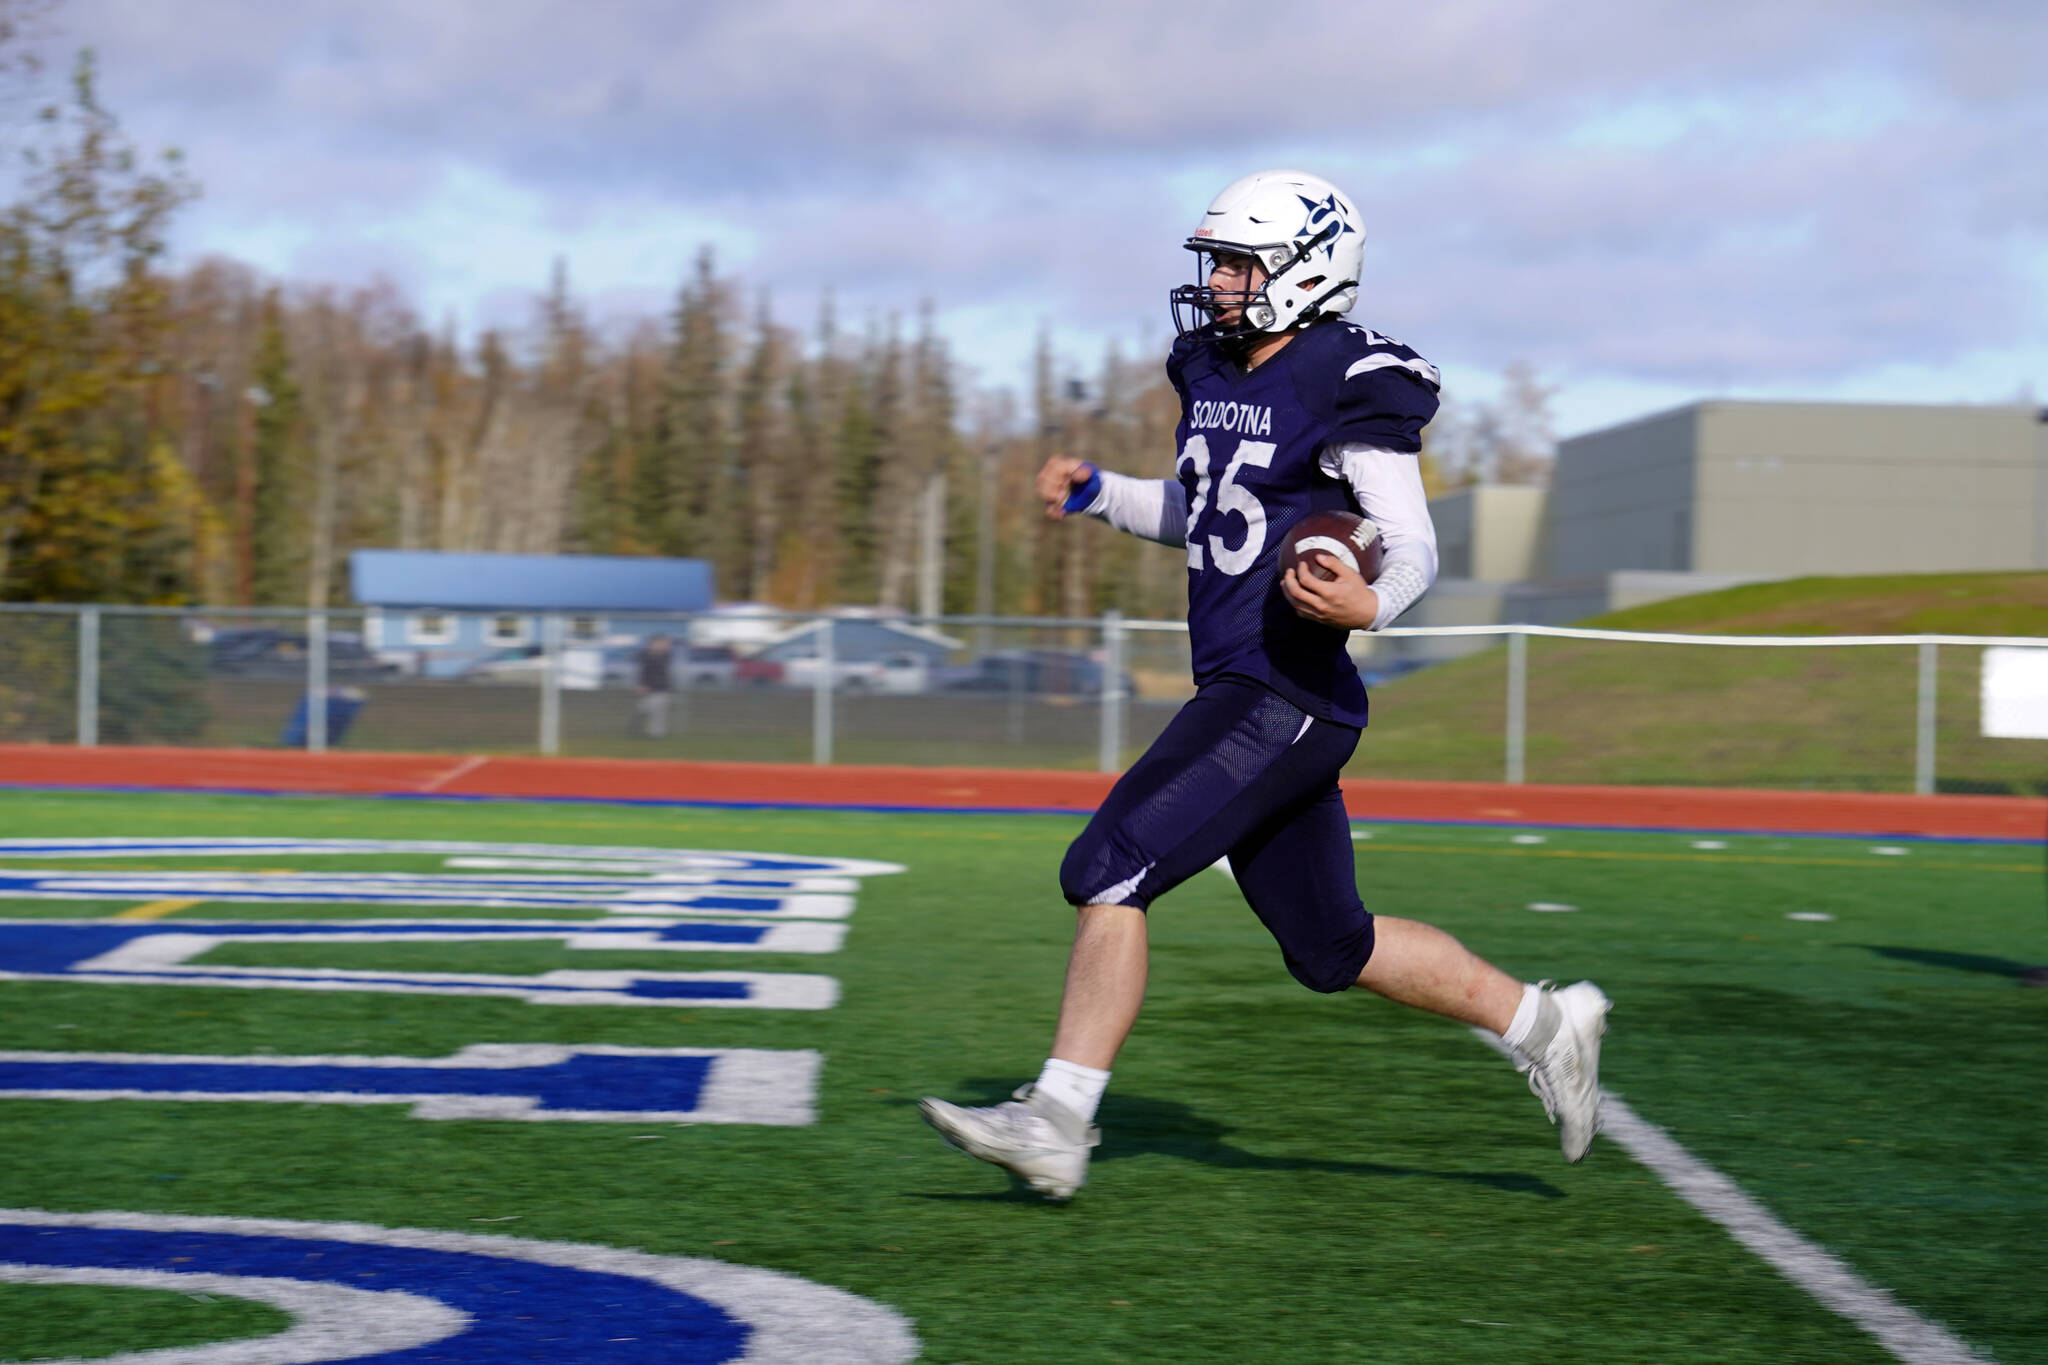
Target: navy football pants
{"points": [[1242, 772]]}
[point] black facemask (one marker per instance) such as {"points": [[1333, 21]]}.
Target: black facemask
{"points": [[1195, 306]]}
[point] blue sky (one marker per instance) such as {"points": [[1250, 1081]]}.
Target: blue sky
{"points": [[1648, 202]]}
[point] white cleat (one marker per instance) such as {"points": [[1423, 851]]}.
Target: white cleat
{"points": [[1561, 1057], [1033, 1137]]}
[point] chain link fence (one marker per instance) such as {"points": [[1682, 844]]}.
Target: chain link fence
{"points": [[1482, 703]]}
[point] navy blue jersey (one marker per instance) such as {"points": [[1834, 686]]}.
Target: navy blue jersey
{"points": [[1248, 445]]}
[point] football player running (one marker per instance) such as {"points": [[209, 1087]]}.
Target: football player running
{"points": [[1287, 408]]}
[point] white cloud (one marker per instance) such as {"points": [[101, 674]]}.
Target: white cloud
{"points": [[1639, 198]]}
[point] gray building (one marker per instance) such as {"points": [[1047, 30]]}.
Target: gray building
{"points": [[1785, 489], [1723, 492], [1489, 533]]}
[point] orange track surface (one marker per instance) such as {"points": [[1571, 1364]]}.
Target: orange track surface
{"points": [[1982, 817]]}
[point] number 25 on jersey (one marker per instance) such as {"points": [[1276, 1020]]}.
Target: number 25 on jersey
{"points": [[1231, 498]]}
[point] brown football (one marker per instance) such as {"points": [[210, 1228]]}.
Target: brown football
{"points": [[1323, 536]]}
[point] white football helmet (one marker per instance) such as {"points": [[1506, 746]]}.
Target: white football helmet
{"points": [[1301, 229]]}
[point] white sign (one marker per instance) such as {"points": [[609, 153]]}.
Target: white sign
{"points": [[2014, 693]]}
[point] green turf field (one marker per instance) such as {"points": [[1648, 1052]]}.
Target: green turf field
{"points": [[1284, 1177]]}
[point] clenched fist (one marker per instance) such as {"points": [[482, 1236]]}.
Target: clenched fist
{"points": [[1060, 477]]}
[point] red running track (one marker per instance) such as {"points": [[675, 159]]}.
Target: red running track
{"points": [[790, 784]]}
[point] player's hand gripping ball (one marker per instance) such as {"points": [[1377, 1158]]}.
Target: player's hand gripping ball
{"points": [[1321, 537]]}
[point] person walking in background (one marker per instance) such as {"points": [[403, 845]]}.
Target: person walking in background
{"points": [[1286, 409], [656, 688]]}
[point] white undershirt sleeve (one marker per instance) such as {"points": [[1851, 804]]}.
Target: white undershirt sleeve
{"points": [[1388, 486], [1156, 509]]}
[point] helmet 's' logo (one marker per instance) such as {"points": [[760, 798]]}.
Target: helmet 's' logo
{"points": [[1320, 216]]}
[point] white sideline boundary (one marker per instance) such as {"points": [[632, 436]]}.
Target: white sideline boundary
{"points": [[1908, 1336]]}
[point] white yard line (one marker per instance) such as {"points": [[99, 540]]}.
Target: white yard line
{"points": [[1908, 1336]]}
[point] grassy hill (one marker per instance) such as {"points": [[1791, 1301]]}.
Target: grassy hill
{"points": [[1892, 604], [1826, 719]]}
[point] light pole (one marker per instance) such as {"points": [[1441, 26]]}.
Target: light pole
{"points": [[985, 547]]}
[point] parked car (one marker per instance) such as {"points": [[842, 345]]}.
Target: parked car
{"points": [[893, 673], [524, 664], [1039, 672], [871, 652], [688, 666], [582, 668], [896, 673], [267, 653], [704, 666]]}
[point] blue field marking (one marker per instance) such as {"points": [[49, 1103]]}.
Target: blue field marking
{"points": [[375, 1294], [158, 953], [518, 1081]]}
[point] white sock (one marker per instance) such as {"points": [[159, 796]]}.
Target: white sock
{"points": [[1077, 1087], [1525, 1017]]}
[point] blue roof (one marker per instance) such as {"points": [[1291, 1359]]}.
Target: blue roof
{"points": [[498, 582]]}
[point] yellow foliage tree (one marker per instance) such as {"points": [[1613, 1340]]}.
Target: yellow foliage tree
{"points": [[81, 321]]}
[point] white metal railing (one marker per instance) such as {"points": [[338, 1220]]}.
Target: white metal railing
{"points": [[1646, 637], [1113, 703], [1924, 703]]}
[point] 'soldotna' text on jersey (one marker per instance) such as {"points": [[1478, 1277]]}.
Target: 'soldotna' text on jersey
{"points": [[1246, 419]]}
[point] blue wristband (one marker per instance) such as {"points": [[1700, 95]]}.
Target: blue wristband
{"points": [[1083, 498]]}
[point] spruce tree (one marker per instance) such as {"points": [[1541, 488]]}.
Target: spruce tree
{"points": [[279, 503], [690, 451]]}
